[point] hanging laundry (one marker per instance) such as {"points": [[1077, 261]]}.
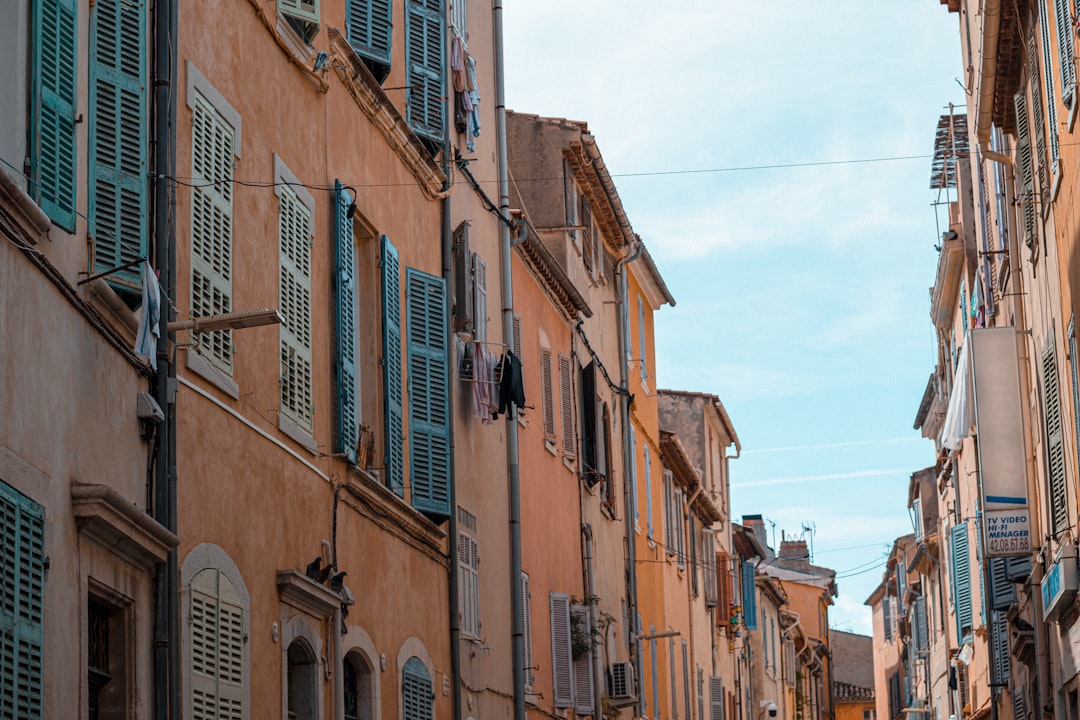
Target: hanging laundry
{"points": [[149, 316], [457, 65], [511, 385], [471, 102]]}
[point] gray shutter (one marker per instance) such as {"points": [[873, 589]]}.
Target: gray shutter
{"points": [[1036, 119], [1002, 590], [960, 568], [561, 652], [700, 694], [1066, 59], [674, 685], [708, 557], [546, 393], [566, 398], [479, 299], [463, 307], [1027, 176], [887, 616], [921, 631], [716, 698], [686, 680], [583, 660], [1055, 444], [295, 233], [999, 628], [417, 697], [526, 620]]}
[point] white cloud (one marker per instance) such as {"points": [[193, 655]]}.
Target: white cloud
{"points": [[801, 479]]}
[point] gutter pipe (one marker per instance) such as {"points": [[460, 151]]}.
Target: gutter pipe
{"points": [[452, 541], [991, 13], [166, 611], [590, 590], [634, 248], [512, 462]]}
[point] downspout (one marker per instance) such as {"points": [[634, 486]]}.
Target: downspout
{"points": [[513, 469], [1042, 674], [991, 14], [634, 250], [452, 541], [166, 610], [590, 590]]}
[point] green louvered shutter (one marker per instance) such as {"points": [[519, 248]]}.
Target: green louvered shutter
{"points": [[416, 691], [429, 389], [395, 441], [1027, 172], [1002, 590], [118, 131], [999, 635], [1055, 444], [369, 24], [426, 58], [1063, 21], [54, 78], [22, 582], [345, 287], [960, 566]]}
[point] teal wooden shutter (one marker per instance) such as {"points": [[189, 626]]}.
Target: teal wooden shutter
{"points": [[886, 616], [54, 98], [416, 691], [1002, 590], [960, 567], [395, 440], [426, 57], [999, 634], [1027, 171], [22, 582], [118, 144], [749, 599], [345, 293], [429, 390], [369, 26], [1065, 46], [921, 631]]}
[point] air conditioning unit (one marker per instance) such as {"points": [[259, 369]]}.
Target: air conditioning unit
{"points": [[621, 684]]}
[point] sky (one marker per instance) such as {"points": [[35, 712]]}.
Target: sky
{"points": [[804, 289]]}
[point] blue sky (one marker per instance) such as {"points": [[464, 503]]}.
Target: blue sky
{"points": [[805, 290]]}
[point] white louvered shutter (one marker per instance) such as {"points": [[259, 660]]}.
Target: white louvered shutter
{"points": [[216, 622], [479, 287], [295, 233], [561, 654], [526, 643], [546, 392], [716, 698], [212, 158], [469, 566]]}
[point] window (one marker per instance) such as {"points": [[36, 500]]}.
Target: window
{"points": [[1048, 73], [546, 394], [54, 99], [416, 691], [517, 339], [302, 15], [479, 299], [469, 583], [463, 277], [588, 238], [1074, 376], [680, 529], [561, 651], [604, 455], [591, 430], [369, 27], [425, 57], [700, 694], [887, 616], [869, 714], [1066, 57], [655, 675], [724, 588], [216, 646], [674, 686], [716, 698], [22, 581], [633, 476], [391, 360], [685, 680], [571, 199], [694, 555], [358, 677], [295, 236], [566, 395], [118, 169], [106, 660], [459, 19], [346, 367], [526, 642], [212, 160], [302, 679], [429, 390]]}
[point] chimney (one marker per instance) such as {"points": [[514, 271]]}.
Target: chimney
{"points": [[756, 523], [794, 554]]}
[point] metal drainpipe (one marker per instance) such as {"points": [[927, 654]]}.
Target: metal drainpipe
{"points": [[166, 622], [590, 590], [513, 469], [452, 542], [630, 492]]}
